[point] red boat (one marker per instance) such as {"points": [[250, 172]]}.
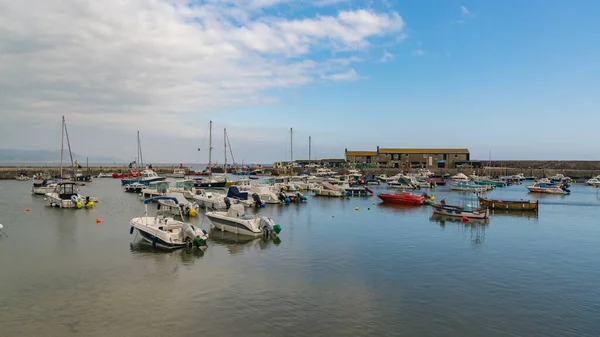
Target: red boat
{"points": [[402, 197], [439, 180]]}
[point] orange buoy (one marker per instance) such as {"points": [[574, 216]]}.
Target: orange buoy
{"points": [[465, 219], [98, 220], [26, 209]]}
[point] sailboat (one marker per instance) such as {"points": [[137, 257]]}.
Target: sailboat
{"points": [[66, 194], [147, 175], [210, 181]]}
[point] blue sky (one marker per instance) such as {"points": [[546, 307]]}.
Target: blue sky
{"points": [[517, 78]]}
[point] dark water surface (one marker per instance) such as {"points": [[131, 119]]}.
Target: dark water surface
{"points": [[379, 271]]}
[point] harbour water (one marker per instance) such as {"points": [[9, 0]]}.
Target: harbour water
{"points": [[378, 271]]}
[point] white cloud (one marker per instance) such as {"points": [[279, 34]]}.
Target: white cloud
{"points": [[387, 56], [349, 75], [418, 52], [464, 10], [155, 64]]}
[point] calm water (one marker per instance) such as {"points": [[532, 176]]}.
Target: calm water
{"points": [[379, 271]]}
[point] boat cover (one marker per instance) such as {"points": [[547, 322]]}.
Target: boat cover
{"points": [[235, 193], [330, 186]]}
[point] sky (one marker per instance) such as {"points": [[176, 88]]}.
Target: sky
{"points": [[514, 79]]}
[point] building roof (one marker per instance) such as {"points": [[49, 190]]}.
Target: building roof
{"points": [[361, 153], [333, 160], [424, 151]]}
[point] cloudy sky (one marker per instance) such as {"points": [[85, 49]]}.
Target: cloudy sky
{"points": [[519, 79]]}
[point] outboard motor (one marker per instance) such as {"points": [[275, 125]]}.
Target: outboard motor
{"points": [[268, 227], [282, 195], [227, 202], [257, 200]]}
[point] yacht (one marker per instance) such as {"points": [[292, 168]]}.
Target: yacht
{"points": [[165, 232], [547, 188], [235, 220], [178, 172], [66, 195], [155, 188], [147, 177], [322, 172], [213, 200], [594, 181], [177, 204], [43, 187]]}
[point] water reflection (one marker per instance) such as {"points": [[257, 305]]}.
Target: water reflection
{"points": [[399, 208], [515, 213], [475, 227], [236, 243], [186, 255]]}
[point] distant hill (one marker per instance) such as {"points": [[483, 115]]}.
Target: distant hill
{"points": [[48, 156]]}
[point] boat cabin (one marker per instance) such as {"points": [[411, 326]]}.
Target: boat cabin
{"points": [[149, 174], [186, 185], [66, 190], [160, 186]]}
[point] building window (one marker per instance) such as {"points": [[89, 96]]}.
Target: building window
{"points": [[455, 156]]}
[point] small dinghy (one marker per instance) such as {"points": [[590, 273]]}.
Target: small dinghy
{"points": [[235, 220], [402, 197], [165, 232], [462, 212]]}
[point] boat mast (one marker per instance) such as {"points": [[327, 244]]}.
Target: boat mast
{"points": [[225, 148], [140, 149], [309, 150], [291, 145], [137, 153], [62, 144], [210, 149], [69, 145]]}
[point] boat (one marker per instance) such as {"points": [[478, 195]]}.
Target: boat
{"points": [[560, 178], [443, 219], [457, 211], [548, 188], [236, 196], [181, 207], [266, 193], [66, 195], [486, 182], [105, 175], [213, 200], [235, 220], [185, 187], [80, 176], [328, 190], [210, 182], [436, 180], [179, 172], [459, 177], [517, 205], [155, 188], [21, 176], [323, 172], [260, 172], [134, 188], [593, 181], [148, 176], [164, 231], [401, 197], [463, 186], [46, 186], [404, 183]]}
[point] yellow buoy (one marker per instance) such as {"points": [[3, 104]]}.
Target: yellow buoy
{"points": [[432, 198], [285, 188], [90, 204], [356, 209], [79, 205], [193, 212]]}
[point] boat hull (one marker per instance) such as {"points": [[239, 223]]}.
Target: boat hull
{"points": [[141, 181], [546, 190], [509, 205], [232, 226], [401, 199], [459, 212]]}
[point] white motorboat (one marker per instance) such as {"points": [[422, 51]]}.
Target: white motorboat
{"points": [[66, 195], [179, 205], [155, 188], [547, 188], [266, 193], [21, 176], [544, 181], [328, 190], [235, 220], [459, 177], [322, 172], [134, 188], [594, 181], [165, 232], [105, 175], [179, 172], [464, 186], [404, 182], [185, 187], [206, 199], [354, 174], [43, 187], [560, 178]]}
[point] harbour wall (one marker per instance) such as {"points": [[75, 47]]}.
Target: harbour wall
{"points": [[9, 172]]}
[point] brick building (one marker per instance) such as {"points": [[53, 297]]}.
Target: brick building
{"points": [[409, 158]]}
